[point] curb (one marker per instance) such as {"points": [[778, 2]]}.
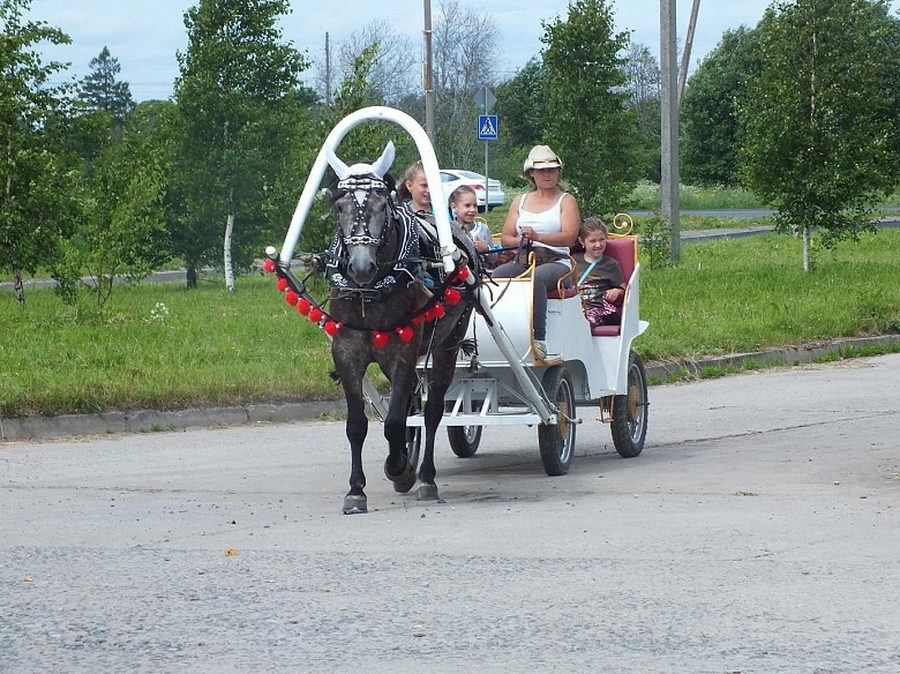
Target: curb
{"points": [[792, 355], [152, 421]]}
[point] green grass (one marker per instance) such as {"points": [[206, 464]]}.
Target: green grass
{"points": [[645, 197], [163, 347]]}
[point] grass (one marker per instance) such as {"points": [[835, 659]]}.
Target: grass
{"points": [[163, 347], [645, 197]]}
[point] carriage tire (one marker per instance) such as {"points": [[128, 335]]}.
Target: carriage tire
{"points": [[464, 440], [557, 441], [413, 447], [629, 411]]}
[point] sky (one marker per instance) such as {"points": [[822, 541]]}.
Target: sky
{"points": [[144, 35]]}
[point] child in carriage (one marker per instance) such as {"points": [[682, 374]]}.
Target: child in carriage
{"points": [[599, 277], [464, 207]]}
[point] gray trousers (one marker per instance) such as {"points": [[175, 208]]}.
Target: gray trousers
{"points": [[546, 279]]}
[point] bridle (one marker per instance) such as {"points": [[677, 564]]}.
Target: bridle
{"points": [[359, 225], [402, 267]]}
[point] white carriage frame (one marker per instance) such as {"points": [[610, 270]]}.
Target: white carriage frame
{"points": [[504, 389]]}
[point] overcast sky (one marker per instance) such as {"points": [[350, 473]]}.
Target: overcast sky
{"points": [[144, 35]]}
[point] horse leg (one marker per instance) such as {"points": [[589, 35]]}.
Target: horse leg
{"points": [[397, 467], [434, 410], [356, 428], [441, 376]]}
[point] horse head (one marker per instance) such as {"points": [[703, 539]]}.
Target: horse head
{"points": [[364, 209]]}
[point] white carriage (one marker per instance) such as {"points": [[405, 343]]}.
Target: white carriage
{"points": [[504, 385], [583, 368]]}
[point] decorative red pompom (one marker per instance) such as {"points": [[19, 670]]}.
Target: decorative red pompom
{"points": [[331, 328], [282, 284], [303, 306], [291, 298], [452, 296], [462, 273], [418, 319], [269, 265], [315, 315], [405, 333], [380, 339], [438, 310]]}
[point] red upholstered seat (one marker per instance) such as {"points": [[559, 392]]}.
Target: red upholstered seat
{"points": [[624, 250]]}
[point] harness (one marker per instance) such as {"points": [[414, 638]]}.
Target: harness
{"points": [[402, 272]]}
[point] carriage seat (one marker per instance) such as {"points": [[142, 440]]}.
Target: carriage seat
{"points": [[624, 250]]}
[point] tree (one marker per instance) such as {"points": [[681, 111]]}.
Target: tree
{"points": [[643, 84], [38, 180], [122, 229], [102, 91], [234, 77], [391, 74], [522, 108], [465, 49], [820, 131], [588, 123], [710, 113]]}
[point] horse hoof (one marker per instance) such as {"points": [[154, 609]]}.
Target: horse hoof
{"points": [[404, 480], [401, 474], [405, 483], [355, 504], [427, 492]]}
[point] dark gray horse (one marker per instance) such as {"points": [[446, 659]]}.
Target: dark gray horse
{"points": [[393, 303]]}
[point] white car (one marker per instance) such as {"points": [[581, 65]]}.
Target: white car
{"points": [[453, 178]]}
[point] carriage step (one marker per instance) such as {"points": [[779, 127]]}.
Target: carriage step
{"points": [[512, 418]]}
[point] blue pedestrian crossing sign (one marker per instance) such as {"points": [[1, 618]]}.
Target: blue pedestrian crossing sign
{"points": [[487, 127]]}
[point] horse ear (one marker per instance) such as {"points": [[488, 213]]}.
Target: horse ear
{"points": [[380, 167], [340, 168]]}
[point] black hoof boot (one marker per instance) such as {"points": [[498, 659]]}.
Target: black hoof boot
{"points": [[404, 479]]}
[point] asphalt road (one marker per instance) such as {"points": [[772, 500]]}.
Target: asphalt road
{"points": [[758, 532]]}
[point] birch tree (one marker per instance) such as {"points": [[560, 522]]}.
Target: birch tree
{"points": [[37, 181], [236, 74], [821, 116]]}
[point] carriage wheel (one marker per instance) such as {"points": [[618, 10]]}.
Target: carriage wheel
{"points": [[413, 445], [557, 441], [464, 440], [629, 412]]}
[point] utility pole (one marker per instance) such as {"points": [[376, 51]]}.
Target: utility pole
{"points": [[327, 71], [427, 76], [668, 187], [686, 55]]}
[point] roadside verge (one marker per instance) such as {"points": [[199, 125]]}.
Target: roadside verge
{"points": [[151, 421]]}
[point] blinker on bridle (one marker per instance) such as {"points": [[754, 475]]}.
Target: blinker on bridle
{"points": [[357, 184]]}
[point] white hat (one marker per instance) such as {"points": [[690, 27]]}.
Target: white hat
{"points": [[540, 157]]}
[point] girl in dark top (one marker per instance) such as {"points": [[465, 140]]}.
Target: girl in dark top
{"points": [[599, 276]]}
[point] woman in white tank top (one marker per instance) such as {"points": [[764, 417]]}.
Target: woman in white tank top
{"points": [[546, 219]]}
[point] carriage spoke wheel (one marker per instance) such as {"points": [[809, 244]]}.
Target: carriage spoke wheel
{"points": [[464, 440], [629, 414], [557, 441]]}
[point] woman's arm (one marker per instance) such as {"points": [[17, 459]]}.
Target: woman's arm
{"points": [[509, 237]]}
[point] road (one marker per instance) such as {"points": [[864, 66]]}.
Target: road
{"points": [[758, 532]]}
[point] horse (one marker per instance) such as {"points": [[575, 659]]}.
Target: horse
{"points": [[392, 304]]}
